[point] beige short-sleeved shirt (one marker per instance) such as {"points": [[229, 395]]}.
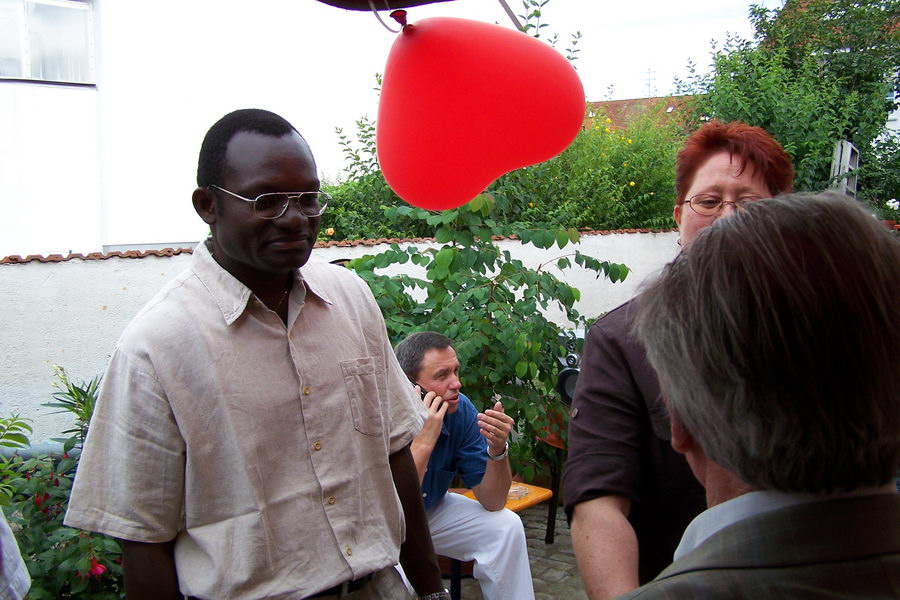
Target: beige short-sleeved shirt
{"points": [[262, 450]]}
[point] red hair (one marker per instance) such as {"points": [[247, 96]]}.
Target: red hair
{"points": [[752, 144]]}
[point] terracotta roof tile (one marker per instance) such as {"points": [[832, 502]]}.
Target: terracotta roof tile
{"points": [[14, 259], [620, 112]]}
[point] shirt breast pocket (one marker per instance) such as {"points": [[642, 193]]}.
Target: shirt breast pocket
{"points": [[360, 383]]}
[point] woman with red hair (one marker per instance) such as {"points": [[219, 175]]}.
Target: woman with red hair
{"points": [[722, 165], [628, 495]]}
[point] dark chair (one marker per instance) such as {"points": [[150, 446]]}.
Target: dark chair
{"points": [[455, 571], [565, 387]]}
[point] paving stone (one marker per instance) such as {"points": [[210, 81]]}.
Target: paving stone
{"points": [[553, 567]]}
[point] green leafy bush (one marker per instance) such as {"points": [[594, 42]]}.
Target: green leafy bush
{"points": [[818, 72], [879, 175], [77, 399], [357, 211], [63, 562], [492, 306], [14, 432], [608, 178]]}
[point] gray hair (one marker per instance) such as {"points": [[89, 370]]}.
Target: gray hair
{"points": [[776, 338], [412, 349]]}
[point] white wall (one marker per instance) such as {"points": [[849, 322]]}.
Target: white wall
{"points": [[71, 313]]}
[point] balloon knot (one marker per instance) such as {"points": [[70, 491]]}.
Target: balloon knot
{"points": [[399, 15]]}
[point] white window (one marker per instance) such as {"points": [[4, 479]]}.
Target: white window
{"points": [[47, 40]]}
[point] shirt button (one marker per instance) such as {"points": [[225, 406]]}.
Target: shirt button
{"points": [[317, 446], [349, 551], [306, 390], [331, 500]]}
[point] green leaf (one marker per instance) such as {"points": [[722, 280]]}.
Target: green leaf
{"points": [[443, 235], [444, 257], [14, 440], [613, 272], [562, 238], [521, 369], [65, 465]]}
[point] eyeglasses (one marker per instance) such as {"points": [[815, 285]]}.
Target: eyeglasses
{"points": [[708, 205], [274, 204]]}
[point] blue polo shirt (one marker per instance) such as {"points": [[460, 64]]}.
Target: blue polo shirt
{"points": [[460, 449]]}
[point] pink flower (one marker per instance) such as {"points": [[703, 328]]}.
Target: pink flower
{"points": [[96, 568]]}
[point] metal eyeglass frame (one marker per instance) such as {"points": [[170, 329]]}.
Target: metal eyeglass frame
{"points": [[290, 196], [737, 203]]}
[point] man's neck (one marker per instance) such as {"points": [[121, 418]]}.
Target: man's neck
{"points": [[725, 489], [270, 288]]}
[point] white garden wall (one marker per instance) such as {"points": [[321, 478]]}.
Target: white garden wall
{"points": [[70, 313]]}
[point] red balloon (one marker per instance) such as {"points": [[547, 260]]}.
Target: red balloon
{"points": [[463, 102]]}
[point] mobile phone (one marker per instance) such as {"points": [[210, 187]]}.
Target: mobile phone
{"points": [[422, 391]]}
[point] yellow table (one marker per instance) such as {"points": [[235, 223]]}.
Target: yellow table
{"points": [[521, 495]]}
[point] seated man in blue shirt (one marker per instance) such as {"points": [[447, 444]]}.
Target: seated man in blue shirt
{"points": [[457, 439]]}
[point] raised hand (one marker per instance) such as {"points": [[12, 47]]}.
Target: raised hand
{"points": [[437, 408], [495, 425]]}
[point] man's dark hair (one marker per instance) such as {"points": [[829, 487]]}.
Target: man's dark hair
{"points": [[411, 350], [211, 165]]}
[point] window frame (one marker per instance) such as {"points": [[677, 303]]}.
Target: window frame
{"points": [[24, 33]]}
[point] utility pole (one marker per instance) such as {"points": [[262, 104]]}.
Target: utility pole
{"points": [[651, 89]]}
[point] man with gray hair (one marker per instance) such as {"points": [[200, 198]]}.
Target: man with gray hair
{"points": [[776, 341]]}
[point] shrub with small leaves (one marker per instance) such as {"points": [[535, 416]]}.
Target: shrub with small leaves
{"points": [[493, 306], [62, 562], [14, 432]]}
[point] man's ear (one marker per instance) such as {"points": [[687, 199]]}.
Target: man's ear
{"points": [[682, 440], [205, 205], [676, 213]]}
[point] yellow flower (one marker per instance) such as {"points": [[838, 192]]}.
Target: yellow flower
{"points": [[624, 164], [329, 231], [631, 183], [629, 140], [608, 130], [596, 128], [531, 204], [608, 120]]}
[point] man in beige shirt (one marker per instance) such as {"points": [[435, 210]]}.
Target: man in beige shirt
{"points": [[252, 433]]}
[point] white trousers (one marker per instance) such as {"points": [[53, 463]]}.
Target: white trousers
{"points": [[462, 529]]}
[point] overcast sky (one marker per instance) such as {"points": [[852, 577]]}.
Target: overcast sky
{"points": [[635, 47]]}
